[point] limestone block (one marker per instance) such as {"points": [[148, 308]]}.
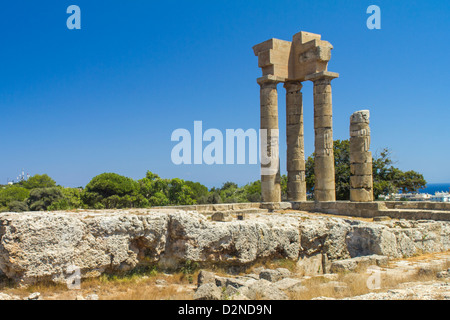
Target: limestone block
{"points": [[359, 126], [297, 193], [296, 165], [324, 137], [325, 195], [360, 169], [310, 265], [295, 152], [269, 122], [357, 182], [359, 144], [361, 195], [205, 277], [263, 289], [362, 132], [325, 121], [361, 157], [208, 291], [289, 284], [221, 216], [269, 110], [362, 116], [294, 119], [323, 98], [293, 132], [323, 108]]}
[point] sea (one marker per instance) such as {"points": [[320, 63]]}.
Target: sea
{"points": [[432, 188]]}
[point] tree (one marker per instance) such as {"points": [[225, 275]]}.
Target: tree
{"points": [[411, 181], [180, 193], [253, 191], [18, 206], [341, 149], [214, 196], [283, 184], [199, 192], [110, 190], [13, 193], [42, 198], [39, 181], [71, 200], [386, 178], [9, 195]]}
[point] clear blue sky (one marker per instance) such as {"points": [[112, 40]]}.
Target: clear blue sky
{"points": [[77, 103]]}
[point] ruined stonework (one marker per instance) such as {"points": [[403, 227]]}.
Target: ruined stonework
{"points": [[361, 180], [37, 246], [296, 187], [270, 180], [304, 59]]}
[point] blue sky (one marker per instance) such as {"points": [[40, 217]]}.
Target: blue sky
{"points": [[106, 98]]}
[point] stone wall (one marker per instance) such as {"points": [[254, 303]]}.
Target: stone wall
{"points": [[394, 209], [48, 246], [419, 205]]}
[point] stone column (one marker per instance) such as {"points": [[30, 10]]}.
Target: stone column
{"points": [[270, 170], [361, 180], [325, 188], [296, 185]]}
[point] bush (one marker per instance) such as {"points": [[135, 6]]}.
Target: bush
{"points": [[18, 206], [110, 190], [11, 194], [39, 181], [42, 198]]}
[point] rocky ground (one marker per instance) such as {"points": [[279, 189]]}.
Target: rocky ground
{"points": [[37, 247], [424, 277], [300, 255]]}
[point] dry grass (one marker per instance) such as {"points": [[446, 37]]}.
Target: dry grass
{"points": [[274, 264], [422, 256], [136, 286], [356, 284], [322, 287], [151, 284]]}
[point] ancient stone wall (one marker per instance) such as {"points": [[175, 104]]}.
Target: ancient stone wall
{"points": [[50, 246]]}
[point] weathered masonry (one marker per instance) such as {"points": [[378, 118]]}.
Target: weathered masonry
{"points": [[361, 179], [304, 59]]}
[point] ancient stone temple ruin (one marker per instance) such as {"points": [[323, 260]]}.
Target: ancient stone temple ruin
{"points": [[304, 59]]}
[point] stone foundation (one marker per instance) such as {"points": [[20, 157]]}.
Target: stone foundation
{"points": [[439, 211], [50, 246]]}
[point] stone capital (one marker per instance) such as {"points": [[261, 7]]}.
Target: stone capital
{"points": [[293, 86], [324, 75]]}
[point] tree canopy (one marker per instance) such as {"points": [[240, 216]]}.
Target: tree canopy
{"points": [[386, 178], [111, 190]]}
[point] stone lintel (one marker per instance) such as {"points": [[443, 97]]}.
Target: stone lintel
{"points": [[322, 75]]}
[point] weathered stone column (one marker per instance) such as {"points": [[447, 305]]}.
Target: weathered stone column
{"points": [[296, 185], [270, 169], [361, 180], [325, 188]]}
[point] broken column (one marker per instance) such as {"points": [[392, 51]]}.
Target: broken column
{"points": [[361, 181], [270, 167], [325, 188], [296, 184]]}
